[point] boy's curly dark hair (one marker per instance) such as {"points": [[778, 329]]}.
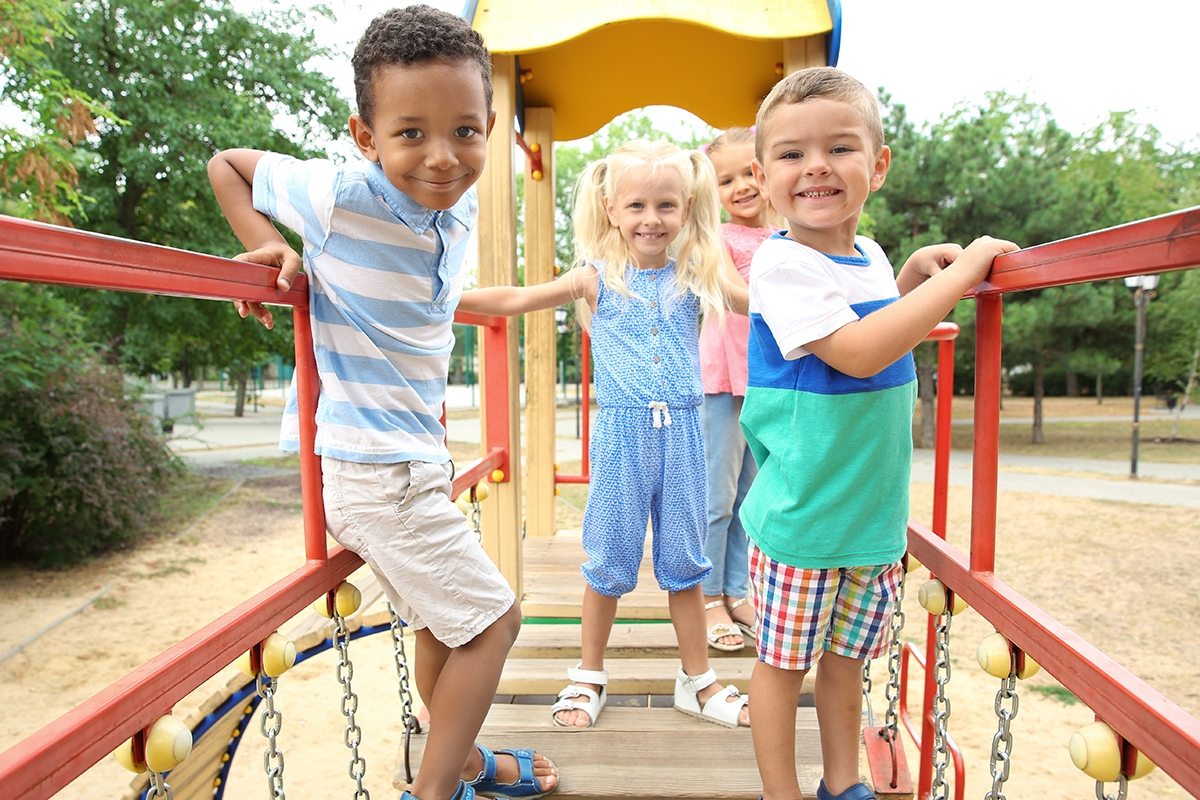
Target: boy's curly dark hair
{"points": [[415, 35]]}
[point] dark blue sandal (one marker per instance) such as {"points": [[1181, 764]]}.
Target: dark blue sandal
{"points": [[527, 786], [464, 792], [859, 791]]}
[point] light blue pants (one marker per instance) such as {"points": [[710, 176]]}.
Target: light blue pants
{"points": [[731, 470]]}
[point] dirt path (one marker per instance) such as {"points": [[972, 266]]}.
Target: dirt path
{"points": [[1101, 567]]}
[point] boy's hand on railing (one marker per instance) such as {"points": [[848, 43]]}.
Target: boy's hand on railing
{"points": [[271, 255], [978, 256]]}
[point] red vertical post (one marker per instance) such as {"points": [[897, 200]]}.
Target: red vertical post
{"points": [[495, 388], [308, 387], [941, 451], [988, 314]]}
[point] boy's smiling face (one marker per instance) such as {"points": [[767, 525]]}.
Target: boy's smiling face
{"points": [[430, 128], [819, 164]]}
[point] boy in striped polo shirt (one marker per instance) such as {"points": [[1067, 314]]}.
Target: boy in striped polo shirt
{"points": [[828, 415], [384, 241]]}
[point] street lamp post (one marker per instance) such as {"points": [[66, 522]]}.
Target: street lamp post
{"points": [[1142, 288]]}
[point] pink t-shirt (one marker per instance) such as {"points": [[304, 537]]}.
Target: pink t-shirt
{"points": [[723, 352]]}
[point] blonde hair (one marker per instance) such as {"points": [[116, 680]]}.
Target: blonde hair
{"points": [[697, 250], [820, 82], [728, 138]]}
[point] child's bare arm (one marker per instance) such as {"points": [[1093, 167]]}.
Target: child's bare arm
{"points": [[864, 348], [231, 173], [511, 301], [737, 296]]}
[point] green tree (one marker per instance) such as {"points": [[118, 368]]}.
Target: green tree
{"points": [[39, 169], [189, 79]]}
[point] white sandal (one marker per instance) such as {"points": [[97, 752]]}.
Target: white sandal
{"points": [[717, 709], [722, 629], [748, 630], [568, 698]]}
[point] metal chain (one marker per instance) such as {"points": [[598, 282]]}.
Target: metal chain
{"points": [[353, 734], [895, 652], [1122, 789], [409, 719], [1001, 760], [868, 687], [940, 707], [159, 788], [271, 724], [476, 514]]}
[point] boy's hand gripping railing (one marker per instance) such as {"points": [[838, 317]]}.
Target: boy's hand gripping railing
{"points": [[1162, 730]]}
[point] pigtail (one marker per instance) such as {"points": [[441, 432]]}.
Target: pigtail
{"points": [[699, 251]]}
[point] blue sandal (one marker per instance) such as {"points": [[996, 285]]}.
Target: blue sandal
{"points": [[464, 792], [527, 786], [859, 791]]}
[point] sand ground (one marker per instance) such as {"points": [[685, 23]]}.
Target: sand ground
{"points": [[1125, 576]]}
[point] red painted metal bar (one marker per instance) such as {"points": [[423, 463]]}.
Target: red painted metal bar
{"points": [[308, 386], [987, 433], [495, 391], [910, 651], [1160, 244], [45, 762], [941, 448], [35, 252], [1162, 730], [478, 470]]}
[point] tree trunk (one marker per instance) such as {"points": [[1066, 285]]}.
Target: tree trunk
{"points": [[1187, 391], [927, 395], [239, 381], [1039, 391], [1072, 383], [1099, 388]]}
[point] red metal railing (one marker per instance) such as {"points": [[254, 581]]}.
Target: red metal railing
{"points": [[45, 762], [1146, 719]]}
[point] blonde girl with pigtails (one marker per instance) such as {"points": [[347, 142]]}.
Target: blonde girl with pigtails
{"points": [[650, 262]]}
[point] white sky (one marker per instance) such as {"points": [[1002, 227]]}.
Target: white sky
{"points": [[1082, 59]]}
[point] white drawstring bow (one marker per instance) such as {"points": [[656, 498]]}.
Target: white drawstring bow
{"points": [[661, 414]]}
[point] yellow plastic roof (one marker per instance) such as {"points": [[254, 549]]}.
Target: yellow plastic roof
{"points": [[591, 60]]}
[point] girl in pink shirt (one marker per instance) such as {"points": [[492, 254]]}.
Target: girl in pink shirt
{"points": [[731, 467]]}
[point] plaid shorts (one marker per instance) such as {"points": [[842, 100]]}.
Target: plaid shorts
{"points": [[804, 611]]}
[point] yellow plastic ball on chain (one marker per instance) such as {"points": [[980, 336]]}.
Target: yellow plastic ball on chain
{"points": [[167, 744], [497, 475], [994, 656], [124, 756], [463, 501], [1095, 751], [348, 599], [278, 656], [932, 597], [481, 491]]}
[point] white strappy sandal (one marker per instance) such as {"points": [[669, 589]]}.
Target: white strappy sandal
{"points": [[718, 709], [568, 698], [722, 629]]}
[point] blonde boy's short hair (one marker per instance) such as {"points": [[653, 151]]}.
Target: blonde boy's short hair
{"points": [[820, 82]]}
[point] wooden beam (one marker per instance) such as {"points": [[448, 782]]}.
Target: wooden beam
{"points": [[540, 331], [501, 523]]}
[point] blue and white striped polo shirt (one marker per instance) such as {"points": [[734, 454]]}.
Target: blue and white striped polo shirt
{"points": [[385, 276]]}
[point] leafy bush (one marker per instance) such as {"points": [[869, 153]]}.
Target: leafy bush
{"points": [[80, 465]]}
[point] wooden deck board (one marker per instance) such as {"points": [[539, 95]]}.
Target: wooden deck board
{"points": [[643, 753], [636, 640]]}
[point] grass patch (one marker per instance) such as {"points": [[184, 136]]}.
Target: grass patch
{"points": [[188, 497], [1100, 439], [1059, 693], [108, 603]]}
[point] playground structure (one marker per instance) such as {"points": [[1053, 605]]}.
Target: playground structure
{"points": [[1144, 720]]}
